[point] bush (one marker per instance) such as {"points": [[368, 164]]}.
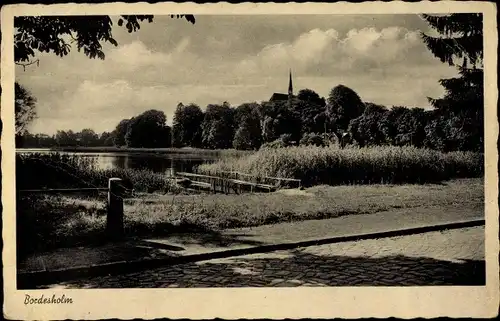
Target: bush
{"points": [[353, 165], [278, 143], [312, 139], [285, 140]]}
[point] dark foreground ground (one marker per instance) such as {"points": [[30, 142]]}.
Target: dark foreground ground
{"points": [[452, 257]]}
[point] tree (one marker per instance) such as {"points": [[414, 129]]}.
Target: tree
{"points": [[452, 132], [457, 122], [310, 96], [343, 104], [392, 125], [411, 127], [461, 111], [25, 111], [37, 140], [312, 110], [278, 119], [177, 126], [66, 138], [186, 126], [461, 38], [120, 132], [365, 130], [50, 34], [149, 130], [106, 139], [248, 136], [87, 137], [218, 126], [245, 111]]}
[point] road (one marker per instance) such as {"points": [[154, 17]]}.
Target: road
{"points": [[452, 257]]}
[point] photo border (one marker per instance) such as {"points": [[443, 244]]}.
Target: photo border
{"points": [[273, 303]]}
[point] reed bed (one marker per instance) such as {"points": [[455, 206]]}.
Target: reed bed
{"points": [[333, 165]]}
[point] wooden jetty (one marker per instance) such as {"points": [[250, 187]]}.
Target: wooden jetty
{"points": [[234, 183], [274, 181]]}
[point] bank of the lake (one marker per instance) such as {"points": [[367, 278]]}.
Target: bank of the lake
{"points": [[172, 150], [59, 170], [312, 165], [46, 222], [160, 161]]}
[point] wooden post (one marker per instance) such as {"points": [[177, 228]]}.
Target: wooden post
{"points": [[172, 168], [114, 226]]}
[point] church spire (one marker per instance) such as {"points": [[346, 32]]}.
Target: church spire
{"points": [[290, 86]]}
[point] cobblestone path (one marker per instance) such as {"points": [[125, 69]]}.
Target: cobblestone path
{"points": [[453, 257]]}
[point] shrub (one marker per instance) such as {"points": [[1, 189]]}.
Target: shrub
{"points": [[278, 143], [312, 139], [285, 140]]}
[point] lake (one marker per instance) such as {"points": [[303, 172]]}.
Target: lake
{"points": [[160, 162]]}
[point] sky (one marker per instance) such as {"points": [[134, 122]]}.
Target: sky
{"points": [[235, 59]]}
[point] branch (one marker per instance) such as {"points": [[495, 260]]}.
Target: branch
{"points": [[28, 63], [73, 38]]}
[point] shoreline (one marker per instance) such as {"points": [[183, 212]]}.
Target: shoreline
{"points": [[111, 149]]}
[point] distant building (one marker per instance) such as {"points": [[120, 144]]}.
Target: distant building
{"points": [[284, 97], [278, 97]]}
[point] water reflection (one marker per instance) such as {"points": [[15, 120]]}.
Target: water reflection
{"points": [[160, 163]]}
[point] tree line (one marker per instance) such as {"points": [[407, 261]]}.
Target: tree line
{"points": [[304, 120], [86, 137], [455, 123]]}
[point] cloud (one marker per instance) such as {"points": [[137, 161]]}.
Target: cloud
{"points": [[388, 65], [136, 55], [391, 66], [358, 51], [101, 105]]}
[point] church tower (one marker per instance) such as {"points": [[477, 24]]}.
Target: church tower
{"points": [[282, 96]]}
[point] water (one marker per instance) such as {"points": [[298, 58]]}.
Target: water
{"points": [[159, 162]]}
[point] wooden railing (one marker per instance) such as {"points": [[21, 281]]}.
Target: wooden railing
{"points": [[278, 180], [236, 182], [267, 180], [116, 191]]}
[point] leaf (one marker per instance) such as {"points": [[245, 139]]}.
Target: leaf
{"points": [[190, 18]]}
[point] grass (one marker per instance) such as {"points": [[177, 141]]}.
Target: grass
{"points": [[47, 222], [335, 166]]}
